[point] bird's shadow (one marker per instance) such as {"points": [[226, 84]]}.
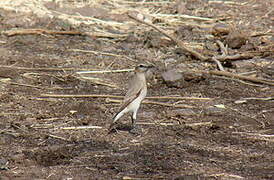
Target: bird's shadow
{"points": [[120, 127]]}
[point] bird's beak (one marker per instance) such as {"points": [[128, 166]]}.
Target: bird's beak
{"points": [[150, 66]]}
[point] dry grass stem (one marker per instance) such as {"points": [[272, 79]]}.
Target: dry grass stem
{"points": [[220, 66], [162, 124], [261, 99], [158, 15], [99, 81], [105, 35], [192, 125], [226, 176], [57, 137], [149, 2], [228, 2], [255, 134], [50, 32], [78, 96], [223, 48], [154, 103], [104, 71], [80, 127], [44, 69], [178, 98], [267, 33], [240, 81], [39, 32], [26, 85], [119, 97], [103, 53]]}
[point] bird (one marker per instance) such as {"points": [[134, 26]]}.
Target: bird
{"points": [[136, 93]]}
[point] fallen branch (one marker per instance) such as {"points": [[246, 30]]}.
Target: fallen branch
{"points": [[237, 56], [237, 76], [194, 53], [44, 69], [179, 43], [52, 32], [240, 81], [39, 32]]}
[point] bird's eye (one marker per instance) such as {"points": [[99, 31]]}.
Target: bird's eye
{"points": [[141, 66]]}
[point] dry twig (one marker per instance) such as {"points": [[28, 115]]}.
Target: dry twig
{"points": [[104, 71], [104, 53], [237, 76], [52, 32], [220, 66], [39, 32], [80, 127], [43, 69]]}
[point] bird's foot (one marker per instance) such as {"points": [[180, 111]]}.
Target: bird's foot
{"points": [[136, 130], [112, 128]]}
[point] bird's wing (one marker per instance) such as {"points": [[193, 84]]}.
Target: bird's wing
{"points": [[129, 100], [134, 86], [134, 90]]}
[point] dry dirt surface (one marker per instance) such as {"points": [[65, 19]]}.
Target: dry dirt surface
{"points": [[59, 90]]}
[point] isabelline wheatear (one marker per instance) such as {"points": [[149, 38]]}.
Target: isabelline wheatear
{"points": [[136, 93]]}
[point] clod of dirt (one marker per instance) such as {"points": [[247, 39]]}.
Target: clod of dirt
{"points": [[214, 111], [184, 32], [194, 78], [173, 78], [156, 40], [220, 29], [194, 4], [269, 70], [212, 46], [236, 39]]}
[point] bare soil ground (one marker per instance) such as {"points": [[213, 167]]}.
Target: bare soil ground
{"points": [[222, 137]]}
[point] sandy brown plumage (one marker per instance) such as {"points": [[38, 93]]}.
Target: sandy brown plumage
{"points": [[137, 91]]}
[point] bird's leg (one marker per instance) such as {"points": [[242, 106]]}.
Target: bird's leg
{"points": [[134, 130], [133, 118], [133, 121]]}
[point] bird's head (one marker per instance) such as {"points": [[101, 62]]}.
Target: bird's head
{"points": [[142, 68]]}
